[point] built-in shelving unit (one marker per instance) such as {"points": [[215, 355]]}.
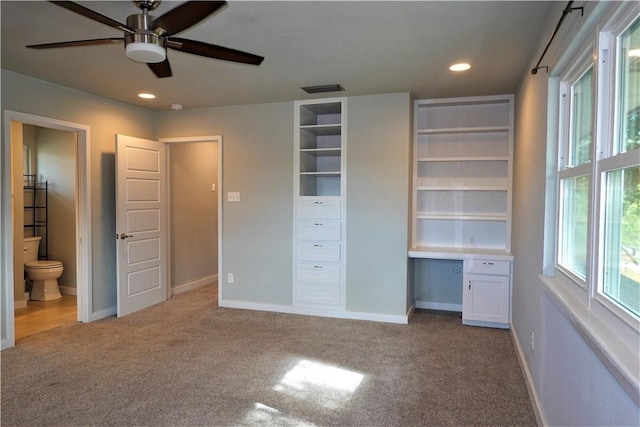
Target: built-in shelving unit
{"points": [[36, 211], [320, 150], [319, 188], [462, 182], [462, 199]]}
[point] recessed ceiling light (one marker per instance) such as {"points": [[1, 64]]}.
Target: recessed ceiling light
{"points": [[462, 66], [146, 95]]}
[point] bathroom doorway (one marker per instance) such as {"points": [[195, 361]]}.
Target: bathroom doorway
{"points": [[56, 153], [49, 164]]}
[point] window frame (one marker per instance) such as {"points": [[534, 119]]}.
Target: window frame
{"points": [[600, 53], [565, 169]]}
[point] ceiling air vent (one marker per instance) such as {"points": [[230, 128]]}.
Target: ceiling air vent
{"points": [[323, 88]]}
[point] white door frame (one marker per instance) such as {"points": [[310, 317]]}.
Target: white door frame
{"points": [[182, 140], [83, 218]]}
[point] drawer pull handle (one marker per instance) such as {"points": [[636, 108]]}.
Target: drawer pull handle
{"points": [[469, 284], [487, 263], [318, 203], [317, 224], [317, 266], [317, 246]]}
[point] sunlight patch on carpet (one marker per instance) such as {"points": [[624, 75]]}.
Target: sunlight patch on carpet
{"points": [[316, 382], [267, 416]]}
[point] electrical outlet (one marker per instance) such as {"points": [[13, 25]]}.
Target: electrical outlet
{"points": [[532, 341], [230, 278], [233, 196]]}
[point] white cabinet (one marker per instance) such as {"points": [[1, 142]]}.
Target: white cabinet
{"points": [[462, 163], [462, 173], [486, 293], [319, 188]]}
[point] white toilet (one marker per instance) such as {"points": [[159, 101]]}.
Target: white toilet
{"points": [[43, 273]]}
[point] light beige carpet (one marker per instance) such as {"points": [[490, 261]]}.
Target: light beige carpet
{"points": [[188, 362]]}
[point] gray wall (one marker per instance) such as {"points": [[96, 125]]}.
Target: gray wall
{"points": [[572, 385], [438, 281], [193, 167], [257, 161], [378, 181], [56, 163]]}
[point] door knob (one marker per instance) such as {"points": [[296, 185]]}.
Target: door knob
{"points": [[125, 235]]}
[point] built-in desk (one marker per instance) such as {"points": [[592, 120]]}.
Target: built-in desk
{"points": [[486, 284]]}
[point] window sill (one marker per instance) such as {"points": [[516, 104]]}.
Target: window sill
{"points": [[602, 335]]}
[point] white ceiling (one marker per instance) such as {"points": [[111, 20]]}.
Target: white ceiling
{"points": [[367, 47]]}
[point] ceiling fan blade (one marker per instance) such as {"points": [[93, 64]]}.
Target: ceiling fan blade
{"points": [[160, 69], [213, 51], [184, 16], [75, 43], [88, 13]]}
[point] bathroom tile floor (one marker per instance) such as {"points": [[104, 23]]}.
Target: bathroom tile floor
{"points": [[40, 316]]}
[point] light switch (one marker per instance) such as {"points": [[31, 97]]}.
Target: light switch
{"points": [[233, 196], [213, 186]]}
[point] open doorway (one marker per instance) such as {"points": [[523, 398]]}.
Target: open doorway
{"points": [[62, 145], [194, 186], [49, 189]]}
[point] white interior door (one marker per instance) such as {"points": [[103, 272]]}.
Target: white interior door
{"points": [[140, 223]]}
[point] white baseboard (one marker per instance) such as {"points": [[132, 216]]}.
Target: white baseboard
{"points": [[307, 311], [442, 306], [528, 379], [107, 312], [68, 290], [6, 343], [193, 285]]}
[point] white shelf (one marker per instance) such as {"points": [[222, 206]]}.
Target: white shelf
{"points": [[322, 151], [478, 129], [462, 172], [458, 217], [322, 130], [334, 173], [462, 159]]}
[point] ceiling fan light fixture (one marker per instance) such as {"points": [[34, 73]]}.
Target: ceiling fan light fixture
{"points": [[146, 52]]}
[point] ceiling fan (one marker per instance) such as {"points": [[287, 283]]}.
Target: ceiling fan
{"points": [[146, 38]]}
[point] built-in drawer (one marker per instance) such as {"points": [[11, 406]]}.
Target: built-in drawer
{"points": [[318, 272], [314, 207], [317, 295], [484, 266], [318, 251], [318, 230]]}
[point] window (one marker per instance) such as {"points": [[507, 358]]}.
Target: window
{"points": [[598, 236], [620, 272], [575, 175]]}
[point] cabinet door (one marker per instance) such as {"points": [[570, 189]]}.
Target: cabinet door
{"points": [[485, 298]]}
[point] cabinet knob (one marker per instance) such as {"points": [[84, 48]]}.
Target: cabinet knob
{"points": [[469, 284]]}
